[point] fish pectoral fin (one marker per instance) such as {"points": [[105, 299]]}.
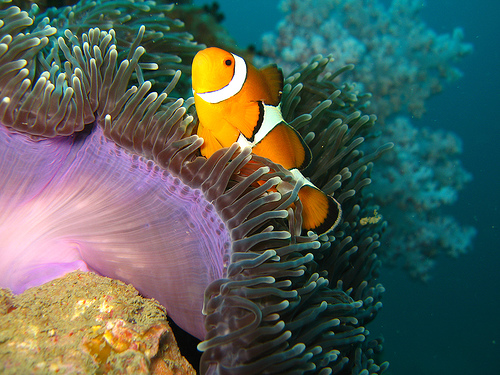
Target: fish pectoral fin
{"points": [[321, 213], [252, 115], [210, 142], [274, 79]]}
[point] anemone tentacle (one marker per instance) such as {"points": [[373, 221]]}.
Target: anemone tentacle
{"points": [[95, 83], [336, 290], [284, 303]]}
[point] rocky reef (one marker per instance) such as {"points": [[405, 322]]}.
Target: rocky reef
{"points": [[86, 324]]}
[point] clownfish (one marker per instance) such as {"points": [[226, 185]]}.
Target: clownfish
{"points": [[237, 102]]}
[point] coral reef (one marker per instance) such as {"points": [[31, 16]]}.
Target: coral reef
{"points": [[401, 62], [419, 177], [398, 59], [280, 302], [84, 324]]}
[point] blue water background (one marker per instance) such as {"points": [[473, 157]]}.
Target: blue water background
{"points": [[452, 324]]}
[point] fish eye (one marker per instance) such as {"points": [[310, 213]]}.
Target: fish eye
{"points": [[228, 62]]}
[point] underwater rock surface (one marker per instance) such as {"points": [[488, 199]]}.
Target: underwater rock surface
{"points": [[85, 324]]}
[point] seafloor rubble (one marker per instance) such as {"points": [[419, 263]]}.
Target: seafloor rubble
{"points": [[86, 324]]}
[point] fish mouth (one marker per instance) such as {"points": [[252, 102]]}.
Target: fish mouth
{"points": [[201, 70]]}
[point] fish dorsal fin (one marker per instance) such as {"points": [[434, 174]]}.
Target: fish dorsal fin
{"points": [[284, 145], [274, 79]]}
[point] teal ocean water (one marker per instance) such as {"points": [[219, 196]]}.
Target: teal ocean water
{"points": [[449, 325]]}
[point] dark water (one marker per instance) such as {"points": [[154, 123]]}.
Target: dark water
{"points": [[452, 324]]}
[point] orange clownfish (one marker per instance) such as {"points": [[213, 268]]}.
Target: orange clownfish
{"points": [[237, 102]]}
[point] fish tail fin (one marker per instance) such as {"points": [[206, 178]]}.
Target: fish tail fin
{"points": [[321, 213]]}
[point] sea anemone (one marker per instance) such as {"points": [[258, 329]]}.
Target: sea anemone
{"points": [[101, 175]]}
